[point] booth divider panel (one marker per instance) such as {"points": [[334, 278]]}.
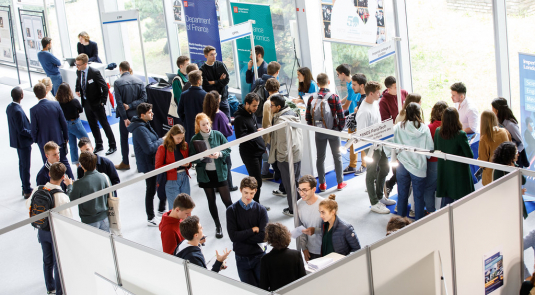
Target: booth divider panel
{"points": [[476, 234]]}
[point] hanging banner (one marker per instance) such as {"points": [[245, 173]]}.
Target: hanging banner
{"points": [[203, 28], [381, 51], [32, 28], [6, 47], [527, 111], [353, 21], [263, 36]]}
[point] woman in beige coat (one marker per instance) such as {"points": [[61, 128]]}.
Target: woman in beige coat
{"points": [[491, 137]]}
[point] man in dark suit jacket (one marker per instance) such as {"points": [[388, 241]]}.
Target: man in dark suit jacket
{"points": [[215, 77], [49, 124], [93, 90], [191, 102], [20, 137]]}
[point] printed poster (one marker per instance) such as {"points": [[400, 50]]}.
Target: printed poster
{"points": [[493, 271], [6, 47], [353, 21], [178, 12], [32, 29], [527, 112]]}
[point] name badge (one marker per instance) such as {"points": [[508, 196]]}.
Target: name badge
{"points": [[90, 81]]}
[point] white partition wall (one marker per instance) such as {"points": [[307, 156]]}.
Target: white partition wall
{"points": [[147, 271], [409, 259], [83, 250], [347, 276], [489, 221]]}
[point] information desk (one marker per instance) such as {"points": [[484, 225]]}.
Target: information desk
{"points": [[160, 98]]}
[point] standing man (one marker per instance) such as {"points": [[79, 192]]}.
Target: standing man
{"points": [[50, 64], [52, 154], [349, 103], [191, 102], [260, 63], [104, 165], [279, 148], [246, 225], [146, 143], [358, 81], [252, 150], [93, 91], [215, 77], [129, 93], [272, 72], [367, 116], [468, 114], [48, 124], [317, 115], [181, 77], [20, 138], [308, 212], [170, 225]]}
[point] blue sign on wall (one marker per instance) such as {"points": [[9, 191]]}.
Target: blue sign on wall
{"points": [[203, 28], [527, 110]]}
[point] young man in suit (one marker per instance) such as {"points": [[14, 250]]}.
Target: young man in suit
{"points": [[20, 137], [215, 77], [191, 103], [48, 124], [52, 156], [93, 90]]}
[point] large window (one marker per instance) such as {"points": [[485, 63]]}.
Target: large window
{"points": [[82, 15]]}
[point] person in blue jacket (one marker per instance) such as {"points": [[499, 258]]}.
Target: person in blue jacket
{"points": [[306, 84], [260, 63], [338, 235], [146, 143]]}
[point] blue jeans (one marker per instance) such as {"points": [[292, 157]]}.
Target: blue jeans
{"points": [[430, 186], [404, 179], [56, 81], [50, 267], [104, 224], [76, 131], [249, 269], [175, 187]]}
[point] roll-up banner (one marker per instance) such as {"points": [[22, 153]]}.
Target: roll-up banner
{"points": [[527, 111], [262, 32], [203, 28]]}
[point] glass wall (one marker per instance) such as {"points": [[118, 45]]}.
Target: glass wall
{"points": [[83, 15], [53, 30]]}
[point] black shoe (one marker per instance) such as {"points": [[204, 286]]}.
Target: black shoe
{"points": [[218, 232], [98, 149], [268, 176], [111, 151], [234, 188], [26, 196]]}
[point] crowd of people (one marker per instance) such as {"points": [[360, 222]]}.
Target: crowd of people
{"points": [[201, 96]]}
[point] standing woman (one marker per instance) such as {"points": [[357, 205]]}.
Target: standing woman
{"points": [[412, 97], [48, 84], [88, 47], [306, 84], [338, 236], [174, 148], [214, 174], [491, 137], [220, 123], [71, 111], [454, 179], [510, 123], [412, 167]]}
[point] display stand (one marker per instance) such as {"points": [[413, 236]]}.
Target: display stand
{"points": [[240, 31], [30, 16], [9, 23]]}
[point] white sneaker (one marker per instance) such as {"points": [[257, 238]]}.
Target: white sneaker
{"points": [[387, 202], [412, 214], [380, 208], [153, 222]]}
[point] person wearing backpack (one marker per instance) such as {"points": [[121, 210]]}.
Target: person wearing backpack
{"points": [[324, 109], [260, 63], [50, 196], [259, 87]]}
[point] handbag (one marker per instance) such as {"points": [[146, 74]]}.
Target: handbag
{"points": [[113, 213]]}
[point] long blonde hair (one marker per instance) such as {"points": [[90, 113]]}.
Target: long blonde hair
{"points": [[46, 81], [489, 122]]}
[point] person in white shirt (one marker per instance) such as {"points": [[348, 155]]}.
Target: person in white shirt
{"points": [[50, 268], [468, 114], [367, 116], [309, 216]]}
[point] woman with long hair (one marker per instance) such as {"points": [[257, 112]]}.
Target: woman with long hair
{"points": [[220, 123], [338, 235], [49, 86], [412, 167], [306, 84], [490, 138], [213, 174], [454, 179], [507, 119], [412, 97], [71, 111], [174, 148]]}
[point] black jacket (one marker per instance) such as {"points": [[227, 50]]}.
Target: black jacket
{"points": [[344, 237], [131, 91], [245, 124], [213, 73], [96, 88], [91, 50], [194, 255], [249, 75], [279, 268], [190, 104]]}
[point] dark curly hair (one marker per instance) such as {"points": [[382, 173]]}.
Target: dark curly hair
{"points": [[278, 236], [505, 153], [504, 112], [437, 111]]}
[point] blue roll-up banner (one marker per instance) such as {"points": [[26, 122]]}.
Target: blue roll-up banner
{"points": [[527, 110], [203, 28]]}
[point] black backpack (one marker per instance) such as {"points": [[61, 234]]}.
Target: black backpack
{"points": [[42, 201], [260, 90]]}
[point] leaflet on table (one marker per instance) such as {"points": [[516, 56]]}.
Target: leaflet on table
{"points": [[298, 231]]}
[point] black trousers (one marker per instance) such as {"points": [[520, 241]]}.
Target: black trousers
{"points": [[125, 149], [25, 155], [254, 169], [97, 115], [229, 175], [149, 198]]}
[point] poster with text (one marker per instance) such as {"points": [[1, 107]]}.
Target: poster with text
{"points": [[353, 21], [263, 36], [527, 112], [202, 25], [493, 271], [178, 12], [6, 47], [32, 28]]}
